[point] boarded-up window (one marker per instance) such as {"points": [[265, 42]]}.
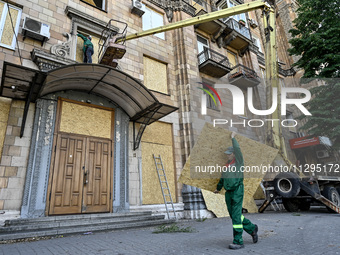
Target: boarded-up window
{"points": [[80, 45], [157, 139], [7, 34], [232, 58], [155, 75], [85, 120]]}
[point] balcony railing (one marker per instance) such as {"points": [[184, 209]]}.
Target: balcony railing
{"points": [[235, 25], [243, 76], [213, 63]]}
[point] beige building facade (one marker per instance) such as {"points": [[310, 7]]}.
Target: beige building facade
{"points": [[80, 138]]}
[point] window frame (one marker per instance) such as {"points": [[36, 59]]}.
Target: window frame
{"points": [[3, 21], [210, 103], [104, 8], [153, 12], [258, 43], [236, 17]]}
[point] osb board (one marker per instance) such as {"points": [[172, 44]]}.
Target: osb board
{"points": [[158, 132], [85, 120], [259, 194], [7, 33], [5, 105], [216, 203], [155, 75], [80, 52], [209, 150], [152, 193]]}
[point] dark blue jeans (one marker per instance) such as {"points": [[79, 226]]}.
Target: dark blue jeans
{"points": [[88, 55]]}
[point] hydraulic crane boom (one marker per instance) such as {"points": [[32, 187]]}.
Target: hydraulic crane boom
{"points": [[274, 137], [203, 18]]}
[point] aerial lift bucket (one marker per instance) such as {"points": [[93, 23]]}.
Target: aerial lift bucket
{"points": [[112, 45]]}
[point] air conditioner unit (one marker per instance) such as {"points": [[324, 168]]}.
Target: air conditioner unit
{"points": [[137, 8], [322, 154], [35, 29], [253, 23]]}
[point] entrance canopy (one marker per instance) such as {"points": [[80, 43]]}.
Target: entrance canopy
{"points": [[132, 96]]}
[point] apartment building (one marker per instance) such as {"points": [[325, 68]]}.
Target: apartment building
{"points": [[80, 138]]}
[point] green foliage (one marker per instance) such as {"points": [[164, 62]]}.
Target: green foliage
{"points": [[316, 41], [173, 228], [316, 38], [325, 110]]}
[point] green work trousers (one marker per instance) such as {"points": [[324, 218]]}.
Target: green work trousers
{"points": [[234, 199]]}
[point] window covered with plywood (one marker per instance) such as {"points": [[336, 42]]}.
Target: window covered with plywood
{"points": [[80, 44], [155, 75], [9, 24], [157, 139]]}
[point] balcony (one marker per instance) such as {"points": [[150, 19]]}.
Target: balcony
{"points": [[214, 27], [243, 77], [213, 63], [238, 36]]}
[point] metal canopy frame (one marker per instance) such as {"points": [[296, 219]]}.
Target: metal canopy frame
{"points": [[132, 96]]}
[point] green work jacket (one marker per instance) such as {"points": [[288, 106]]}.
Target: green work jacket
{"points": [[231, 180], [87, 42]]}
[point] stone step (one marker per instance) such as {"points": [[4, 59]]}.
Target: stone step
{"points": [[74, 217], [82, 229], [48, 225]]}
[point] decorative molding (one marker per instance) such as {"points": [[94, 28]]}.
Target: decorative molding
{"points": [[174, 5], [64, 49], [253, 48], [243, 50], [47, 61], [86, 20]]}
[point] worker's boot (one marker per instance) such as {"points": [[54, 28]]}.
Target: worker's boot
{"points": [[254, 234], [235, 246]]}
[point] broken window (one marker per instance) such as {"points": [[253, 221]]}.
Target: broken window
{"points": [[10, 14]]}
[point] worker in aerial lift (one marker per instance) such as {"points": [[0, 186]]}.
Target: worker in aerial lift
{"points": [[232, 181], [87, 48]]}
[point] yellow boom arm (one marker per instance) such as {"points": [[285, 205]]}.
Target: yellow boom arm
{"points": [[271, 49]]}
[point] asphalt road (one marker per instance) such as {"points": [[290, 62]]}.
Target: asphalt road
{"points": [[313, 232]]}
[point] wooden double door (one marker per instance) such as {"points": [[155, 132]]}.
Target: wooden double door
{"points": [[81, 175]]}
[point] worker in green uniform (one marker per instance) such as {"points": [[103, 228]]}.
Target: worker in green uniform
{"points": [[232, 181], [87, 48]]}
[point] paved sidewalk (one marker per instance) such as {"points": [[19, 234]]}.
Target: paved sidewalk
{"points": [[314, 232]]}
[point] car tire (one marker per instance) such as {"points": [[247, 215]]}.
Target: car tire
{"points": [[287, 185]]}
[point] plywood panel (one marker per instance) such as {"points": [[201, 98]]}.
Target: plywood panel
{"points": [[232, 58], [209, 151], [85, 120], [158, 132], [7, 33], [80, 52], [152, 193], [155, 75], [5, 105]]}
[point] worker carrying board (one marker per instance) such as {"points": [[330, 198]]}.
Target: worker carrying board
{"points": [[232, 181], [87, 48]]}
